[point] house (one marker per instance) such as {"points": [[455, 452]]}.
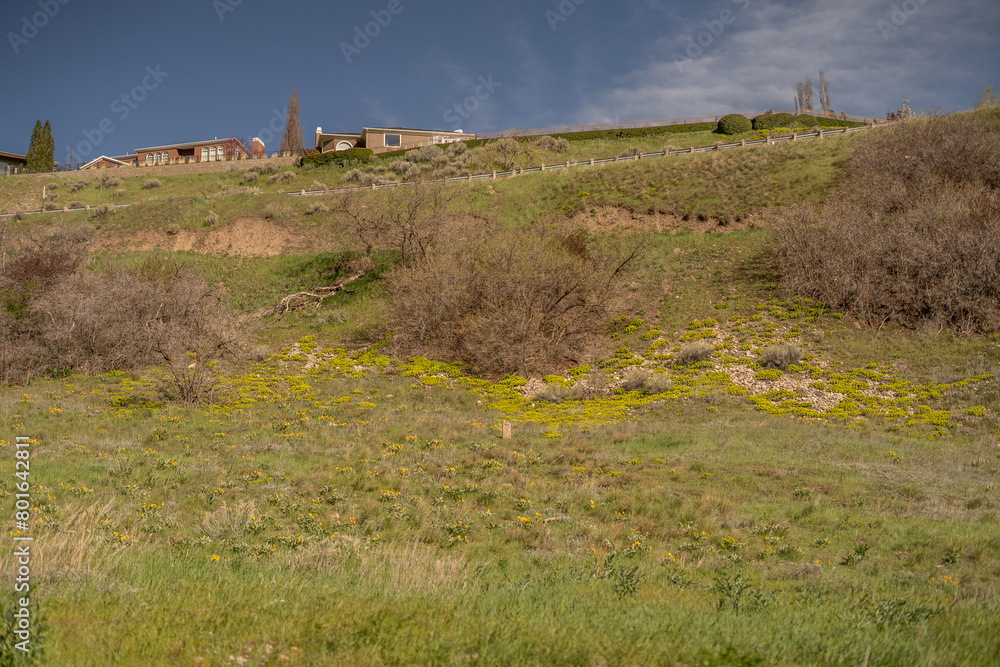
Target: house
{"points": [[212, 150], [386, 139], [12, 162], [105, 162]]}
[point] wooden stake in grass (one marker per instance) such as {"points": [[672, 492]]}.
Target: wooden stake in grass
{"points": [[505, 430]]}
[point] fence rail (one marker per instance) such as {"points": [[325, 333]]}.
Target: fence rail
{"points": [[566, 129]]}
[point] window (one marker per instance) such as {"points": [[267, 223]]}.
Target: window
{"points": [[344, 145], [204, 153], [393, 140], [156, 158], [211, 154], [222, 152], [149, 159], [166, 158]]}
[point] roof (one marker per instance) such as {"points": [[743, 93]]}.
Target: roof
{"points": [[410, 129], [190, 144], [16, 157], [105, 157]]}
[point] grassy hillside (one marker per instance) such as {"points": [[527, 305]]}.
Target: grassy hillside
{"points": [[334, 502]]}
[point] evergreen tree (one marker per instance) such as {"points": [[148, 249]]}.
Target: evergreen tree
{"points": [[49, 146], [35, 158]]}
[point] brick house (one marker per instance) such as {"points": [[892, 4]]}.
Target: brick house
{"points": [[213, 150], [386, 139], [105, 162]]}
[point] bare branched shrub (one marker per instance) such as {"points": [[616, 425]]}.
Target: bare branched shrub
{"points": [[693, 353], [77, 204], [509, 302], [288, 176], [211, 218], [913, 235], [780, 356], [408, 220], [121, 192], [248, 178], [317, 207], [59, 315], [903, 165], [76, 186], [631, 151], [151, 184]]}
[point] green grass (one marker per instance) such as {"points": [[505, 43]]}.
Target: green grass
{"points": [[333, 504]]}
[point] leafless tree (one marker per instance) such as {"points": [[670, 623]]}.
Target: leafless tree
{"points": [[824, 92], [292, 141]]}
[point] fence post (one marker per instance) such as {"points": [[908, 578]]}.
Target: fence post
{"points": [[821, 133], [543, 166], [494, 174], [795, 136], [691, 150], [616, 158], [591, 162], [743, 143]]}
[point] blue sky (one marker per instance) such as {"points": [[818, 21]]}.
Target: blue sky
{"points": [[115, 75]]}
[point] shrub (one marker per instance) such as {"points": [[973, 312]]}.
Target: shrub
{"points": [[102, 211], [693, 353], [77, 204], [912, 235], [273, 178], [60, 315], [557, 392], [353, 176], [547, 143], [107, 181], [505, 302], [631, 151], [288, 176], [400, 166], [151, 184], [211, 218], [249, 177], [769, 121], [316, 185], [121, 192], [734, 124], [424, 154], [354, 156], [780, 356], [76, 186], [317, 208]]}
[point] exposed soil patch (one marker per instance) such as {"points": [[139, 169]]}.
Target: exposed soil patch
{"points": [[244, 237], [617, 218]]}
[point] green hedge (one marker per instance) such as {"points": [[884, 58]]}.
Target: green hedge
{"points": [[637, 132], [769, 121], [734, 124], [346, 158]]}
